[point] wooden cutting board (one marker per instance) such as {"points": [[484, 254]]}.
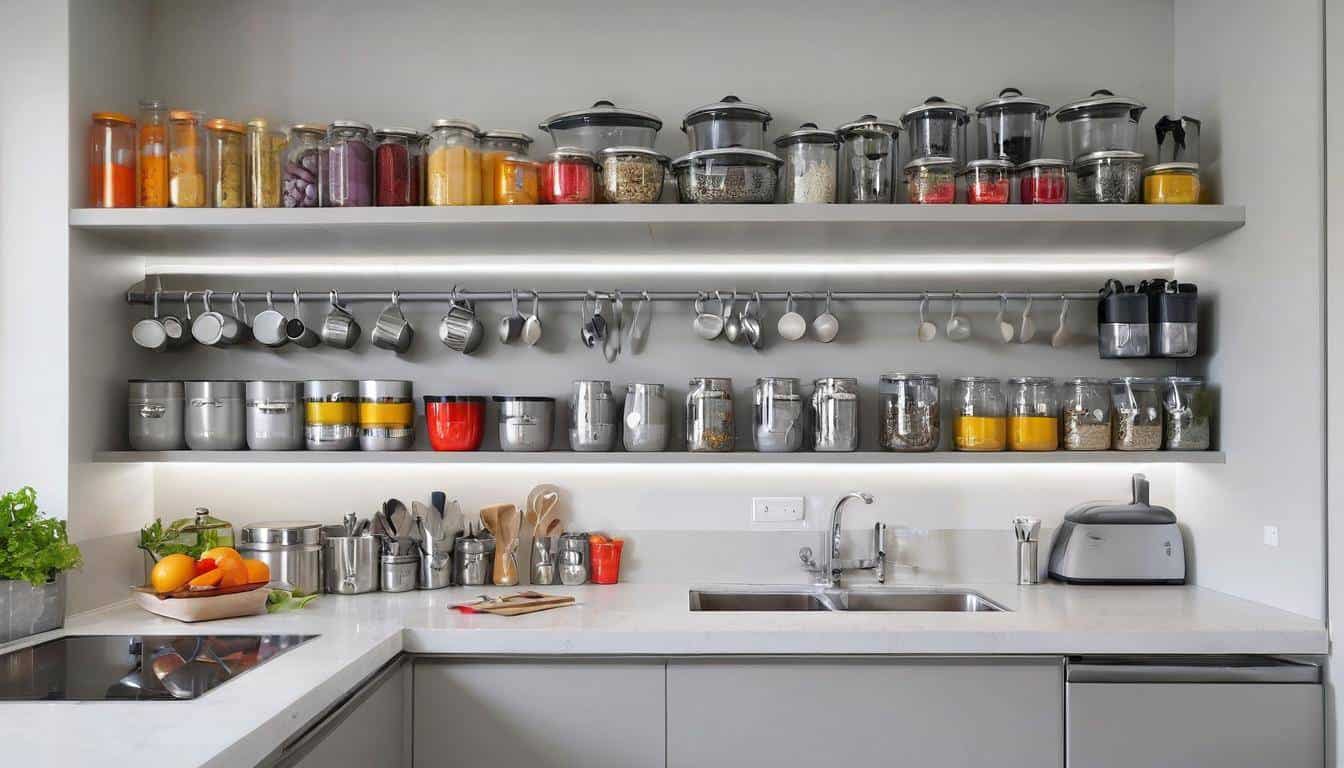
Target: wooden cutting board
{"points": [[516, 605]]}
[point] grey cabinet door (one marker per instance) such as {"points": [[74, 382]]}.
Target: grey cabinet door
{"points": [[538, 713], [871, 712], [372, 730]]}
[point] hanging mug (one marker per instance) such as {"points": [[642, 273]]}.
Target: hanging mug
{"points": [[214, 329], [392, 330], [150, 332], [459, 329], [339, 328], [268, 327], [297, 332]]}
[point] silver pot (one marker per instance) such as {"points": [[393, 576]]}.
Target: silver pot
{"points": [[592, 416], [155, 415], [275, 415], [326, 434], [349, 563], [526, 423], [835, 409], [216, 419], [292, 550]]}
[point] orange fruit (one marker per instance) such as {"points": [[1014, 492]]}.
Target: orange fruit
{"points": [[257, 572], [233, 572], [208, 580], [172, 572], [219, 553]]}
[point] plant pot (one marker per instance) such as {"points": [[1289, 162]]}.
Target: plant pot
{"points": [[27, 610]]}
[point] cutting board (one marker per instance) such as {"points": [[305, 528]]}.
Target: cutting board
{"points": [[517, 605]]}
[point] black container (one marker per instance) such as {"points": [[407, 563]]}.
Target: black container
{"points": [[1173, 316], [1122, 322]]}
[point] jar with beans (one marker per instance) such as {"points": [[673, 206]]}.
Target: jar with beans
{"points": [[1189, 412], [985, 182], [1043, 181], [978, 422], [931, 180], [632, 174], [908, 410], [303, 155], [569, 176], [224, 163], [186, 159], [396, 160], [453, 164], [1085, 410], [709, 416], [1137, 421], [1033, 414], [499, 148], [347, 179], [265, 152]]}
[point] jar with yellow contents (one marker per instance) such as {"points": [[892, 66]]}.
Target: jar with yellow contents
{"points": [[331, 414], [224, 150], [1033, 414], [978, 422], [265, 153], [453, 164], [386, 415], [503, 155], [186, 159], [1171, 184]]}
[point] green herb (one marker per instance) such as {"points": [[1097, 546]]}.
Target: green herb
{"points": [[161, 541], [33, 547], [281, 600]]}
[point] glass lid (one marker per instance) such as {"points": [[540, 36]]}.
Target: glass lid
{"points": [[602, 112]]}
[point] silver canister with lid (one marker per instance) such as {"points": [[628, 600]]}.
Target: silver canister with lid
{"points": [[386, 415], [525, 423], [155, 415], [728, 122], [779, 415], [349, 563], [291, 549], [471, 562], [592, 416], [835, 414], [331, 414], [908, 412], [601, 126], [936, 128], [868, 153], [647, 424], [710, 425], [398, 573], [810, 159], [275, 415], [216, 419]]}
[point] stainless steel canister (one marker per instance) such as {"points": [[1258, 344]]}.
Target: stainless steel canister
{"points": [[349, 563], [155, 415], [778, 415], [398, 573], [573, 559], [435, 571], [835, 409], [542, 568], [275, 415], [592, 416], [470, 562], [292, 550], [331, 414], [215, 419], [710, 425], [647, 426], [386, 415], [526, 423]]}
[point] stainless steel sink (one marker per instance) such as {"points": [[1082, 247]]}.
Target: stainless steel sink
{"points": [[932, 599]]}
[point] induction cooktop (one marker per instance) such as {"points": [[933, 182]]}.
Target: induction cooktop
{"points": [[134, 667]]}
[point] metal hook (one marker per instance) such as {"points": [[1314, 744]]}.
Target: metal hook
{"points": [[205, 299], [156, 304], [186, 302]]}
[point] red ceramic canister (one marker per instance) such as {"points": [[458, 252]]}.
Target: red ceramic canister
{"points": [[455, 422]]}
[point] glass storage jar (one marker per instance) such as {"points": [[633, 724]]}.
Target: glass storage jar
{"points": [[936, 128], [778, 415], [453, 174], [978, 422], [197, 534], [727, 176], [186, 159], [1085, 410], [1137, 419], [1041, 181], [1033, 414], [868, 154], [112, 145], [647, 424], [985, 182], [592, 416], [709, 416], [224, 162], [518, 181], [601, 126], [569, 176], [303, 156], [1011, 127], [265, 156], [331, 414], [497, 147], [396, 161], [152, 152], [931, 180], [835, 414], [908, 412], [1110, 176], [1189, 413], [347, 170], [1171, 183], [810, 157], [729, 122], [632, 174], [1102, 121]]}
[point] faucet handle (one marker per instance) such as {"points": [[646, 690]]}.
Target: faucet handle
{"points": [[805, 555], [880, 552]]}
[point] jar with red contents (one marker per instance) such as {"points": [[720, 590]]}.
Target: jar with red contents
{"points": [[569, 175], [455, 422], [985, 182], [397, 161], [111, 161], [1043, 181], [931, 180]]}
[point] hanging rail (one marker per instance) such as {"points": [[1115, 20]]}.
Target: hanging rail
{"points": [[146, 297]]}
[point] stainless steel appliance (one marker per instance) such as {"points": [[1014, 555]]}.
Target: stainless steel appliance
{"points": [[1107, 543]]}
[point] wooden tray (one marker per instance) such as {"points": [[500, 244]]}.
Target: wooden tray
{"points": [[186, 593], [246, 600]]}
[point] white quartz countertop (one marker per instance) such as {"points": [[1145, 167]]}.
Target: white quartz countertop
{"points": [[248, 718]]}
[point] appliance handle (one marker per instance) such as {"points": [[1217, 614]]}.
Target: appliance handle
{"points": [[1190, 669]]}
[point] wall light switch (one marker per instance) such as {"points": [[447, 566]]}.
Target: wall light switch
{"points": [[778, 511], [1271, 535]]}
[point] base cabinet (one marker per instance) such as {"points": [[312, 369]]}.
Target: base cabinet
{"points": [[369, 728]]}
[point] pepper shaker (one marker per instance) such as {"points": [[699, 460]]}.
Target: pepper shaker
{"points": [[1028, 532]]}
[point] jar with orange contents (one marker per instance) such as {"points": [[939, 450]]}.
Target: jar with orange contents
{"points": [[152, 152], [1033, 414], [112, 161], [978, 414], [497, 148], [386, 415], [186, 159]]}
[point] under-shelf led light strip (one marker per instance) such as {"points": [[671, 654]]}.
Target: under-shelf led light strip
{"points": [[147, 297]]}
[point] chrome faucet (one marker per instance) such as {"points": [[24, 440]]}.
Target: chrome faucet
{"points": [[831, 567]]}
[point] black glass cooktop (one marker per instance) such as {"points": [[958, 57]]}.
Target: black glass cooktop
{"points": [[134, 667]]}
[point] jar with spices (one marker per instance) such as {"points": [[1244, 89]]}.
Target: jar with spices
{"points": [[331, 414], [936, 128], [1085, 409], [1043, 181], [1189, 412], [908, 412], [186, 159], [224, 163], [112, 161], [986, 182], [1110, 176], [1137, 422], [303, 155], [1011, 127], [868, 160], [453, 163], [709, 416], [496, 147], [810, 157], [152, 151], [569, 176], [265, 156], [1033, 414], [347, 171], [978, 414], [778, 415], [396, 163], [632, 174], [931, 180], [386, 415], [1171, 183]]}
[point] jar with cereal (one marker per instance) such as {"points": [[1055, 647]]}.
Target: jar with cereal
{"points": [[1137, 422], [632, 174], [709, 416], [1189, 412], [1085, 410]]}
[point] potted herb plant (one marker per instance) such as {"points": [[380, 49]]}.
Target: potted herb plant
{"points": [[35, 553]]}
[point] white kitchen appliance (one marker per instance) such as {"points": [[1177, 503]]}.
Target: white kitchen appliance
{"points": [[1108, 543]]}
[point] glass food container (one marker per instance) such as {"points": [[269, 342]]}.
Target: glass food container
{"points": [[186, 159], [1033, 414], [396, 160], [835, 414], [810, 157], [727, 176], [986, 182], [569, 176], [931, 180], [709, 416], [1085, 410], [1137, 421], [386, 415], [868, 160], [1043, 181], [601, 126], [978, 422], [275, 415], [155, 415], [936, 128], [647, 424], [632, 174], [112, 148], [1109, 176], [1102, 121], [729, 122], [152, 152], [453, 164], [497, 147], [303, 156], [331, 415], [908, 412], [265, 157], [518, 181], [778, 415], [224, 162], [1011, 127], [1171, 184], [592, 416], [1189, 413], [195, 535], [347, 170]]}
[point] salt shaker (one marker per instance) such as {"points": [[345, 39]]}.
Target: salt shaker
{"points": [[1028, 532]]}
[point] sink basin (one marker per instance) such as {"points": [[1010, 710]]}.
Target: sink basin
{"points": [[932, 599]]}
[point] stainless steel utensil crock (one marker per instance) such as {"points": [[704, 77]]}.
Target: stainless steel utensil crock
{"points": [[291, 549]]}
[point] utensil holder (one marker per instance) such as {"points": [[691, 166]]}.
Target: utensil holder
{"points": [[399, 572], [542, 568], [436, 570]]}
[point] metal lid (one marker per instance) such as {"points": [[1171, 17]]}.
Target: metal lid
{"points": [[936, 106], [385, 388], [470, 546], [1012, 100], [154, 389], [1031, 380], [353, 124], [1101, 103], [936, 161], [641, 386], [1132, 380], [186, 114], [1095, 158], [870, 124], [1184, 379], [457, 123], [1169, 167], [281, 532], [330, 389], [222, 124], [1044, 162], [113, 117], [223, 389], [976, 380], [496, 133], [730, 108], [808, 133], [572, 153], [315, 129], [159, 104], [842, 383], [920, 377], [1086, 380], [454, 399], [1005, 165], [259, 122], [602, 112], [641, 151], [409, 133], [730, 155], [521, 399], [717, 382]]}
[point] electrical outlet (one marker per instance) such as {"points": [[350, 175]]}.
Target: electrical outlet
{"points": [[1271, 535], [778, 512]]}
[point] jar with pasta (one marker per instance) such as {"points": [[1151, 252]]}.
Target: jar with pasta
{"points": [[152, 152], [1085, 410], [1189, 413], [111, 161], [453, 173], [1033, 420], [497, 148], [302, 158], [978, 414], [396, 160], [186, 159], [1137, 421], [346, 178], [265, 151], [224, 163]]}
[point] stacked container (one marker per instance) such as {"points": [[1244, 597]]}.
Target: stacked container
{"points": [[386, 415], [602, 126], [729, 122], [1011, 127], [331, 414], [275, 415], [155, 415], [216, 419], [936, 128]]}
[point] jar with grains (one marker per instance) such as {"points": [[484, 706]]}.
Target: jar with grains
{"points": [[497, 147], [303, 155], [709, 416], [931, 180], [632, 174], [730, 175], [152, 151], [265, 155], [346, 174], [112, 161], [1033, 414], [224, 150], [810, 157], [453, 163], [978, 422], [908, 412], [986, 182], [1043, 181], [1110, 176], [868, 153], [1137, 421], [1189, 413], [1171, 183], [1085, 410], [396, 161], [569, 176], [186, 159]]}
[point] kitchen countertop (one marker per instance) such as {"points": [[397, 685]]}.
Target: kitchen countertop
{"points": [[245, 720]]}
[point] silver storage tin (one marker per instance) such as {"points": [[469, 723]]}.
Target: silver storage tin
{"points": [[398, 573], [525, 423], [27, 610], [155, 415], [331, 414], [647, 424], [835, 414], [275, 415], [394, 428], [573, 559], [779, 415], [542, 568], [710, 426], [470, 562], [592, 416], [292, 550], [215, 419], [349, 563], [435, 570], [868, 152], [908, 415]]}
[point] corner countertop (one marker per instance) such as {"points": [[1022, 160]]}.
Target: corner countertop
{"points": [[247, 719]]}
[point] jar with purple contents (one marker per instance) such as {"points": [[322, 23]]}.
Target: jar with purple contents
{"points": [[302, 155], [347, 170]]}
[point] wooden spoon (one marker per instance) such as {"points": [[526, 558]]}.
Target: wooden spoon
{"points": [[490, 518], [546, 506], [506, 545], [552, 528]]}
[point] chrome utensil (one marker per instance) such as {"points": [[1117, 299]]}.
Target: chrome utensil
{"points": [[826, 326], [1028, 331], [297, 332], [791, 326], [611, 344], [339, 328], [1062, 336], [391, 330], [1005, 327], [958, 325], [532, 325], [511, 325], [639, 334], [732, 322], [753, 321], [268, 327], [926, 330], [707, 325]]}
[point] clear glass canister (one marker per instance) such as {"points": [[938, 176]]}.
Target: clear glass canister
{"points": [[112, 161], [1102, 121], [224, 152], [396, 161], [1189, 413], [647, 425], [347, 172], [1011, 127], [497, 147], [978, 422], [569, 176], [835, 414], [1171, 184], [1033, 414], [331, 414], [197, 534], [727, 176], [936, 128], [709, 416], [778, 415], [1110, 176], [1085, 410], [453, 164], [186, 159], [868, 160], [303, 156], [632, 174], [1137, 421], [985, 182], [1043, 181], [152, 151], [265, 156], [810, 157], [931, 180], [908, 412]]}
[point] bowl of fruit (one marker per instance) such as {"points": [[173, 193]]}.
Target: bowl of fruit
{"points": [[220, 584]]}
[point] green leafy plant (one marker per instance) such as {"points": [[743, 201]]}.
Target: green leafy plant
{"points": [[281, 600], [160, 540], [33, 547]]}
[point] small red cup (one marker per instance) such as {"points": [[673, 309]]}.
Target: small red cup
{"points": [[455, 422], [606, 557]]}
